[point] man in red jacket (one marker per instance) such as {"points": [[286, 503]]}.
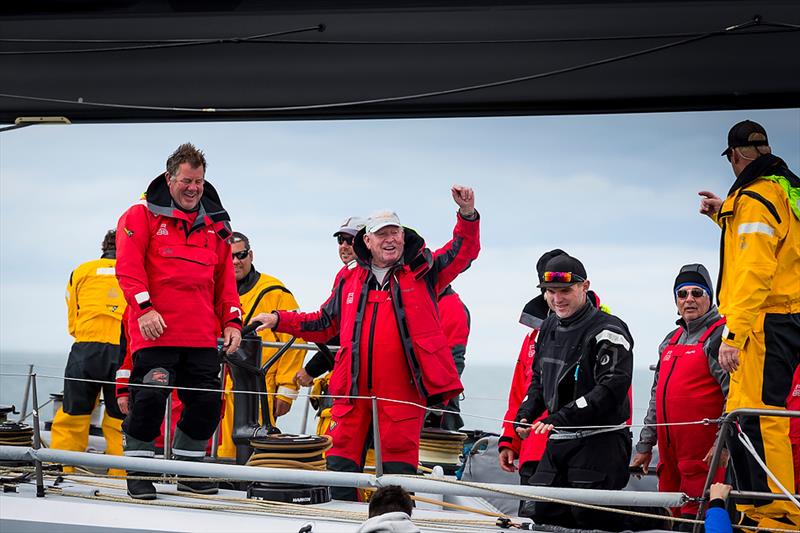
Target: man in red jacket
{"points": [[174, 267], [392, 343]]}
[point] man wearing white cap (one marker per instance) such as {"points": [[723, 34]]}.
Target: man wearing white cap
{"points": [[392, 343]]}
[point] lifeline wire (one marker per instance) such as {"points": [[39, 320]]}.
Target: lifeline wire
{"points": [[705, 421]]}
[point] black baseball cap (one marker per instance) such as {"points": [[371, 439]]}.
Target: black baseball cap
{"points": [[562, 271], [746, 133]]}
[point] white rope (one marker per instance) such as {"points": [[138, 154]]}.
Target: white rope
{"points": [[748, 445]]}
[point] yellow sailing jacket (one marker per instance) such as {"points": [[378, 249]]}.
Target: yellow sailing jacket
{"points": [[267, 295], [760, 256], [95, 302]]}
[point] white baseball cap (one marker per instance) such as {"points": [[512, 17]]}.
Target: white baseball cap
{"points": [[382, 219]]}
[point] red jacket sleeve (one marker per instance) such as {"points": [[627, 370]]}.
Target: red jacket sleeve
{"points": [[123, 374], [519, 385], [318, 326], [133, 238], [457, 255], [226, 298]]}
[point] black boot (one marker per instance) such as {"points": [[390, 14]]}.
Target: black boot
{"points": [[141, 489], [185, 448], [198, 487]]}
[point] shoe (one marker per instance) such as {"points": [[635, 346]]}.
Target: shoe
{"points": [[198, 487], [140, 489]]}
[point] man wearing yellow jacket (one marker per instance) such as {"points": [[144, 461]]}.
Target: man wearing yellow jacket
{"points": [[94, 310], [261, 293], [759, 294]]}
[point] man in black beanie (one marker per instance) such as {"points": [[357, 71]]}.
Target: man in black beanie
{"points": [[581, 376], [689, 385]]}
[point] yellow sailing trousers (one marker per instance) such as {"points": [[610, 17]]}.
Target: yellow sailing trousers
{"points": [[763, 381]]}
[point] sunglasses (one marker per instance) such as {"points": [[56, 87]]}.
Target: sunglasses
{"points": [[341, 239], [562, 277], [241, 256], [696, 293]]}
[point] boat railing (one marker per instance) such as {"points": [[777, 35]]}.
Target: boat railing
{"points": [[727, 430]]}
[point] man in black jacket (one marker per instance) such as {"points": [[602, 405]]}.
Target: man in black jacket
{"points": [[581, 376]]}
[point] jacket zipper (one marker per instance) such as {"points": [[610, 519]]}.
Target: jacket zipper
{"points": [[369, 346], [664, 399]]}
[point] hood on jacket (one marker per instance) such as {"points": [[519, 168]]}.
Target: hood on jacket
{"points": [[396, 522], [764, 166], [159, 201], [415, 255]]}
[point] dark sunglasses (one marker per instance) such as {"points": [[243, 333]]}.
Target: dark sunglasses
{"points": [[341, 239], [696, 293], [241, 256]]}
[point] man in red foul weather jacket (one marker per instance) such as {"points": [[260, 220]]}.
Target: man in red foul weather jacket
{"points": [[689, 385], [392, 344], [174, 268]]}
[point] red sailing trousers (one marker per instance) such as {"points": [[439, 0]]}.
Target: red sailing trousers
{"points": [[382, 372], [686, 392]]}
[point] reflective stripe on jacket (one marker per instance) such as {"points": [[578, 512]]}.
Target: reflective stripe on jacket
{"points": [[95, 304], [759, 252]]}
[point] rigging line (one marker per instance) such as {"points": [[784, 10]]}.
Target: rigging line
{"points": [[748, 445], [169, 44], [779, 28], [402, 98]]}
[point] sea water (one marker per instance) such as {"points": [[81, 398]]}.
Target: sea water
{"points": [[483, 406]]}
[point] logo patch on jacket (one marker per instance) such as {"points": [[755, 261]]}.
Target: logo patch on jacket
{"points": [[163, 229], [349, 298]]}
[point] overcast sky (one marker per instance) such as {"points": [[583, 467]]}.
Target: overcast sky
{"points": [[617, 191]]}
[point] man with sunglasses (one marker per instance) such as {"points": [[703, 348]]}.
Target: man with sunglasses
{"points": [[392, 343], [759, 295], [322, 362], [258, 293], [174, 269], [689, 385], [581, 376]]}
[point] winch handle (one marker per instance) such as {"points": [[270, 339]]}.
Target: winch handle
{"points": [[250, 328]]}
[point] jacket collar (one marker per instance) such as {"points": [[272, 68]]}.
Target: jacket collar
{"points": [[244, 285], [160, 202], [765, 165], [701, 323]]}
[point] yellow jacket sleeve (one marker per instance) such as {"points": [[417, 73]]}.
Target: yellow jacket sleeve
{"points": [[752, 236], [72, 303], [284, 371]]}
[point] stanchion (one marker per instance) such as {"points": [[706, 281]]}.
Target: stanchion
{"points": [[37, 439], [376, 437], [168, 428], [304, 423], [23, 412]]}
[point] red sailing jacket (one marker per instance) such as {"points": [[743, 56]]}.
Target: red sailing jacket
{"points": [[793, 404], [455, 321], [532, 448], [180, 265], [414, 285]]}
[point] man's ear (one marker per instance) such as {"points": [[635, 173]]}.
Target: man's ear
{"points": [[586, 285]]}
